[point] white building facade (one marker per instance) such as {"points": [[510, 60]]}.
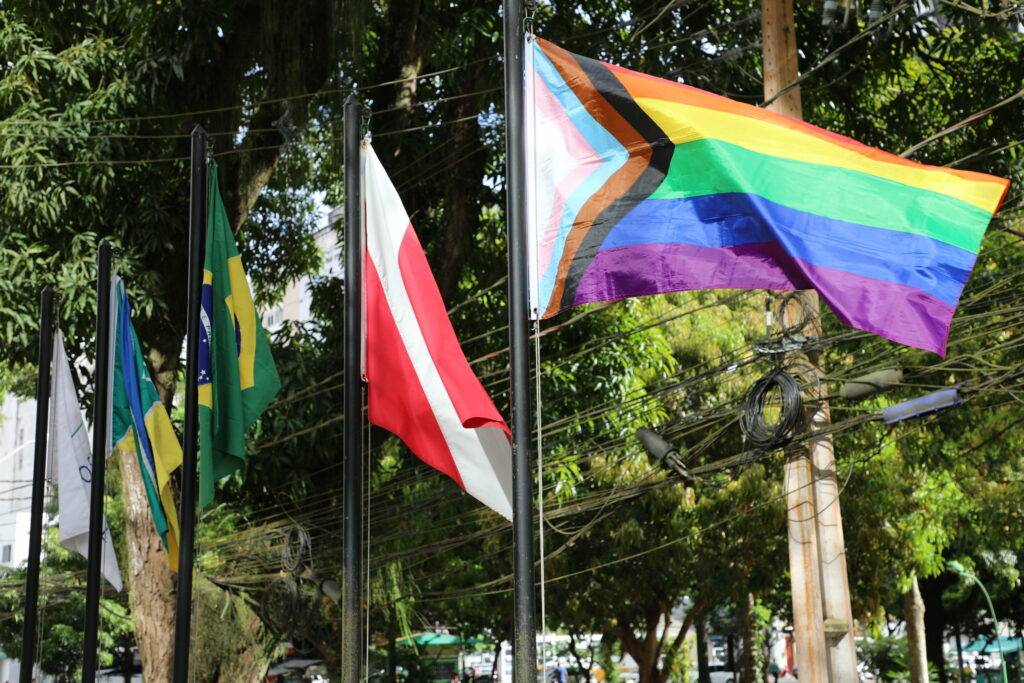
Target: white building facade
{"points": [[17, 451], [17, 441], [296, 302]]}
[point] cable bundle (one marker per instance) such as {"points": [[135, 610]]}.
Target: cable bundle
{"points": [[756, 428]]}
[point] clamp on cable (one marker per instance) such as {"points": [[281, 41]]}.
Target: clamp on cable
{"points": [[791, 337]]}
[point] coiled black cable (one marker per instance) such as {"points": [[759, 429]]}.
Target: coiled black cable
{"points": [[756, 428]]}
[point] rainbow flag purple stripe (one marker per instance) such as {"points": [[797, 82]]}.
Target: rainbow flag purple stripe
{"points": [[642, 186]]}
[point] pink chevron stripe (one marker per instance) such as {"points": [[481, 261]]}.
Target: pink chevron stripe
{"points": [[555, 130]]}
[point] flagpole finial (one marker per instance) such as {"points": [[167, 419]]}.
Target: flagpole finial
{"points": [[529, 12], [57, 301], [364, 123]]}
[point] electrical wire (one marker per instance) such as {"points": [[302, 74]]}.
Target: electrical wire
{"points": [[753, 421]]}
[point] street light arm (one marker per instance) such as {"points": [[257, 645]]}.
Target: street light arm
{"points": [[995, 625]]}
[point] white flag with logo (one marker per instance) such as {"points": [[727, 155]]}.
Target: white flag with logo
{"points": [[71, 456]]}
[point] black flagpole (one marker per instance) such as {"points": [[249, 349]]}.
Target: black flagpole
{"points": [[101, 398], [352, 576], [196, 248], [524, 643], [35, 537]]}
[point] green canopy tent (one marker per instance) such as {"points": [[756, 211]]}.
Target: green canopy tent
{"points": [[431, 639], [993, 645], [441, 651], [1008, 648]]}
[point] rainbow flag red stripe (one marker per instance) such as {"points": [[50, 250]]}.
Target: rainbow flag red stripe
{"points": [[641, 185]]}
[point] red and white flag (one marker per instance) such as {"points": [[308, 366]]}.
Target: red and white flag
{"points": [[420, 386]]}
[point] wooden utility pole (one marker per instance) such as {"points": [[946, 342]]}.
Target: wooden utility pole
{"points": [[913, 615], [822, 618]]}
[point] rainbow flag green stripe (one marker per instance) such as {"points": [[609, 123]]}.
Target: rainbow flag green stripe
{"points": [[865, 199], [644, 185]]}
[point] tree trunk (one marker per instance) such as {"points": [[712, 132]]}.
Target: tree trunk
{"points": [[574, 651], [150, 582], [400, 58], [644, 666], [703, 672], [466, 166], [644, 652], [913, 614], [746, 624], [231, 643]]}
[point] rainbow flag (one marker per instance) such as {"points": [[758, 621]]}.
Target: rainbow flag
{"points": [[640, 185]]}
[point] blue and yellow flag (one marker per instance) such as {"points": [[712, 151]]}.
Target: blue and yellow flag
{"points": [[140, 425], [237, 376]]}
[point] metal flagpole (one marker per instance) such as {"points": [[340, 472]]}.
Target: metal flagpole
{"points": [[35, 537], [524, 657], [196, 247], [101, 395], [352, 576]]}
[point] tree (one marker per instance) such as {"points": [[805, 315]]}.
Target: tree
{"points": [[76, 86], [62, 606]]}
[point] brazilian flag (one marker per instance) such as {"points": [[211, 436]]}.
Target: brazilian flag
{"points": [[237, 377]]}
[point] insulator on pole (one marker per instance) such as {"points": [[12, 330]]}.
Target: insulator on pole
{"points": [[866, 386]]}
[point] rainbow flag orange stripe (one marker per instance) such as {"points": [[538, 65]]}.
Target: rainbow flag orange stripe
{"points": [[643, 185]]}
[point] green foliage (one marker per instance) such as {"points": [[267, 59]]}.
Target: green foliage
{"points": [[761, 624], [225, 621], [61, 613], [93, 145], [886, 657]]}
